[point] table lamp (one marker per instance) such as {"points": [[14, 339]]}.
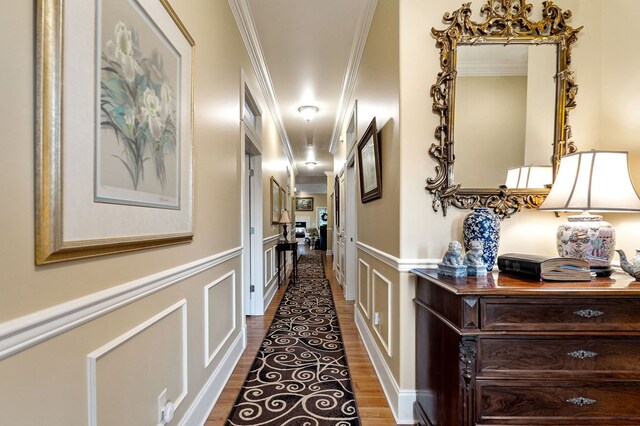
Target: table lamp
{"points": [[285, 220], [591, 181]]}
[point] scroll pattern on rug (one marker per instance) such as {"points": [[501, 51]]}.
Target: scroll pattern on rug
{"points": [[300, 375]]}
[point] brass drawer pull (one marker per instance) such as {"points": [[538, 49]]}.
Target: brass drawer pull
{"points": [[582, 354], [589, 313], [581, 401]]}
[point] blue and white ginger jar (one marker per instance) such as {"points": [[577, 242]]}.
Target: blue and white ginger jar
{"points": [[482, 224]]}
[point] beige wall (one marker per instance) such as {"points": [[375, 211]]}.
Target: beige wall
{"points": [[158, 338], [541, 95], [489, 128], [377, 89]]}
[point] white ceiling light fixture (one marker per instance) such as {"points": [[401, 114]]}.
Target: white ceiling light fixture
{"points": [[308, 112]]}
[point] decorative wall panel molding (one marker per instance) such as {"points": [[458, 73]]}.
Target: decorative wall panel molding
{"points": [[203, 403], [109, 348], [377, 277], [366, 284], [209, 354], [24, 332]]}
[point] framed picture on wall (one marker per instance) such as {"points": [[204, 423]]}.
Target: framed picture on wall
{"points": [[275, 200], [304, 204], [114, 172], [369, 162]]}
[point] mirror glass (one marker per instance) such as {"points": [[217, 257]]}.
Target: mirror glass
{"points": [[505, 97]]}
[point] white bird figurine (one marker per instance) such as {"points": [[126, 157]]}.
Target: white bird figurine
{"points": [[631, 267]]}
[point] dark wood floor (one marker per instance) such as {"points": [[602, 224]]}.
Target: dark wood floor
{"points": [[372, 404]]}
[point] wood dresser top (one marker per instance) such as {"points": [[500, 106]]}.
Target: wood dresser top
{"points": [[505, 284]]}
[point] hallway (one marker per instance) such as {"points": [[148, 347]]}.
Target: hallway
{"points": [[372, 404]]}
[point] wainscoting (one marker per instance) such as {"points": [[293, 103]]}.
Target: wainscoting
{"points": [[177, 333], [385, 319]]}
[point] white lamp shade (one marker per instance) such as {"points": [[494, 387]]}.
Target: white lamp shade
{"points": [[596, 181], [284, 217], [529, 177]]}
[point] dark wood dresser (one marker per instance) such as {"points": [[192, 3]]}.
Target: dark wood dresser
{"points": [[505, 350]]}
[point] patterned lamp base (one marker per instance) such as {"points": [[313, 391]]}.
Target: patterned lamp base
{"points": [[590, 238]]}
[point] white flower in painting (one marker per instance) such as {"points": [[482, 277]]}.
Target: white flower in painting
{"points": [[151, 107], [121, 51], [166, 96], [130, 120]]}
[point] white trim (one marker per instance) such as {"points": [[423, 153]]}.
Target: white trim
{"points": [[400, 400], [208, 357], [271, 239], [203, 403], [268, 263], [387, 343], [274, 273], [92, 358], [244, 20], [22, 333], [351, 73], [368, 284], [401, 265]]}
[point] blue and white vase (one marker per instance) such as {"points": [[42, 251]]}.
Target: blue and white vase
{"points": [[482, 224]]}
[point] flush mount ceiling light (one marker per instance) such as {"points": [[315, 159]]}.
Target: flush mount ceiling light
{"points": [[308, 112], [311, 164]]}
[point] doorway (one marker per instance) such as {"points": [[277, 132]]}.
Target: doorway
{"points": [[252, 278]]}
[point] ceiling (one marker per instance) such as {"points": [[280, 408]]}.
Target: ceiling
{"points": [[311, 49]]}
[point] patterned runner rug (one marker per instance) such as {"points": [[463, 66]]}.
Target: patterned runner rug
{"points": [[300, 375]]}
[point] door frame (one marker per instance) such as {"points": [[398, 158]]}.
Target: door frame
{"points": [[252, 261], [350, 230]]}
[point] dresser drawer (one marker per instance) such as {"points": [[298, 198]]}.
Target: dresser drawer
{"points": [[558, 403], [594, 356], [559, 314]]}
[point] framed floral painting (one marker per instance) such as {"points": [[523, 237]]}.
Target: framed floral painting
{"points": [[114, 128], [137, 144]]}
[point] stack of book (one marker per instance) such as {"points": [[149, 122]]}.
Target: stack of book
{"points": [[545, 267]]}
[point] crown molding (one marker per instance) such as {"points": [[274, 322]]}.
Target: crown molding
{"points": [[351, 73], [244, 20]]}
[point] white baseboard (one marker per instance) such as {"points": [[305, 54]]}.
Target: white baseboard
{"points": [[400, 400], [199, 410]]}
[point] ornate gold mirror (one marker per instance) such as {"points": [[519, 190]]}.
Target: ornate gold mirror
{"points": [[503, 98]]}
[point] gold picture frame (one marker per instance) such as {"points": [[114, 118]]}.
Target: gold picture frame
{"points": [[69, 223], [274, 198], [504, 22], [304, 204]]}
